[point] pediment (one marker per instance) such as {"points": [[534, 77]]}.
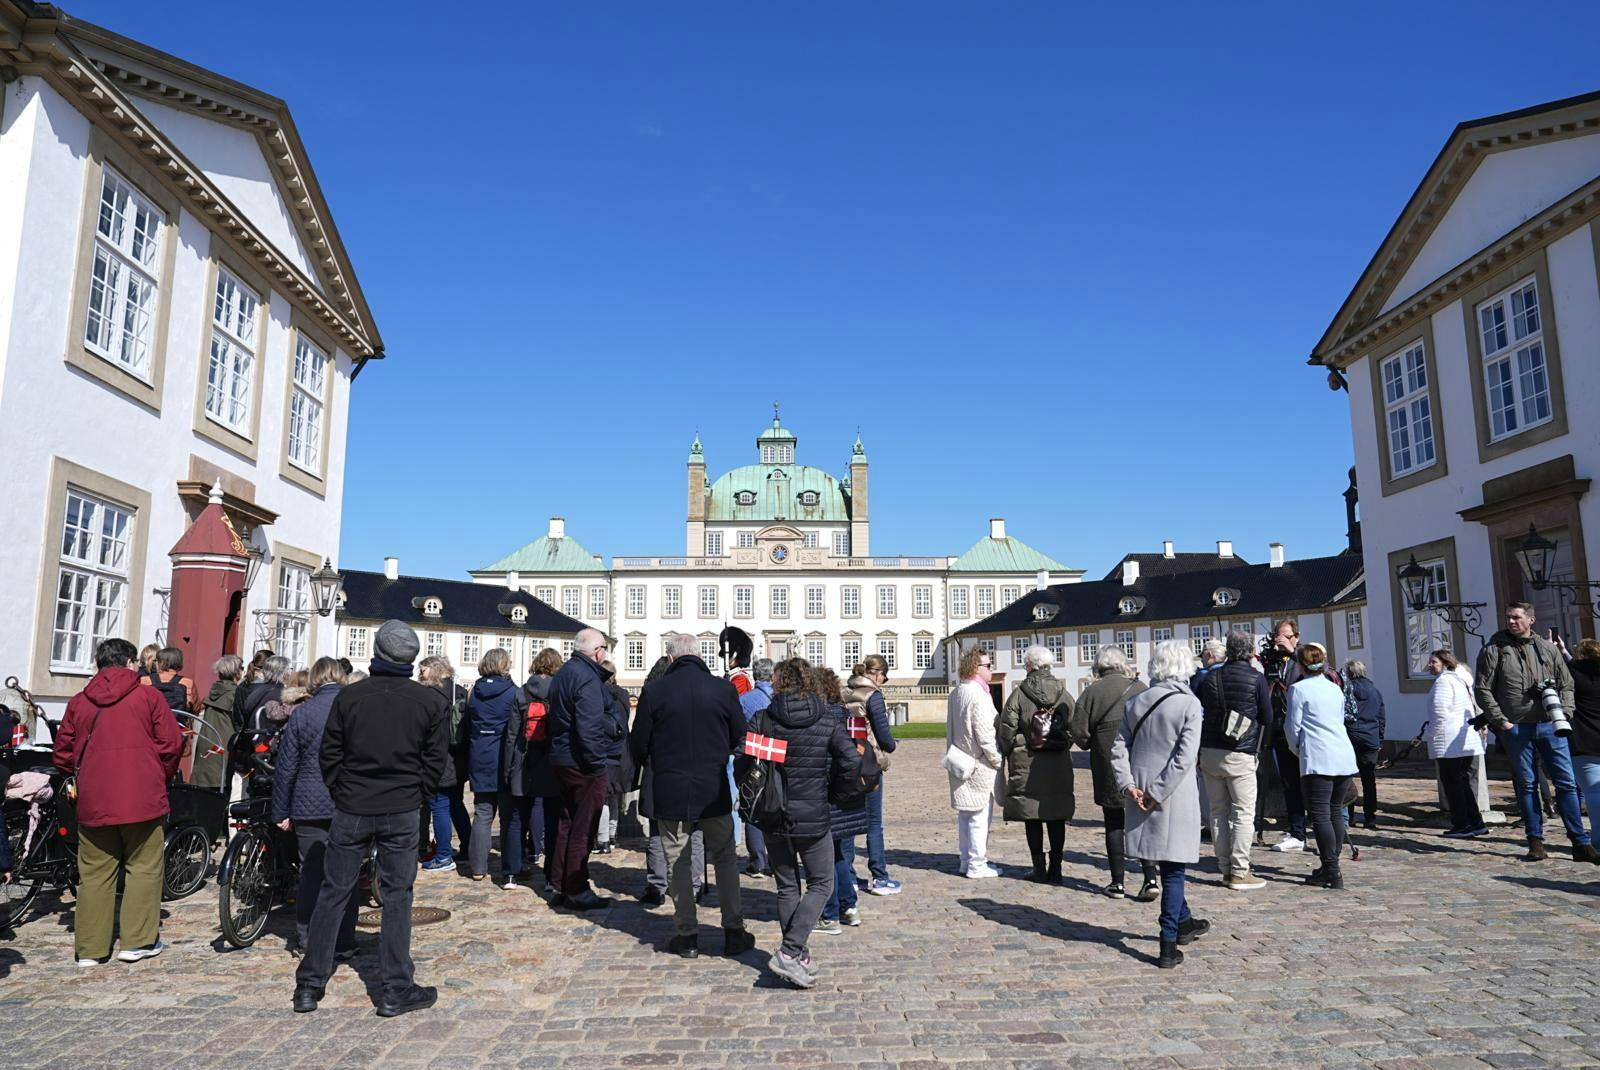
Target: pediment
{"points": [[778, 533]]}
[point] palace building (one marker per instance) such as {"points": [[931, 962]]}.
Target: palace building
{"points": [[784, 551]]}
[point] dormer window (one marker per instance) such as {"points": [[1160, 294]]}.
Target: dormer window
{"points": [[1044, 611], [745, 497], [809, 498], [432, 606], [1130, 605], [1225, 596], [519, 614]]}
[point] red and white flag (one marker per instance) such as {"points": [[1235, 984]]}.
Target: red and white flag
{"points": [[858, 727], [19, 735], [214, 751], [765, 747]]}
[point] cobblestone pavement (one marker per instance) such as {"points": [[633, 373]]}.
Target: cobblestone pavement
{"points": [[1439, 955]]}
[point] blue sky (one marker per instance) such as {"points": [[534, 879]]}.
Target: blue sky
{"points": [[1058, 264]]}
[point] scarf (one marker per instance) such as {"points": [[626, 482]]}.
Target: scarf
{"points": [[380, 667]]}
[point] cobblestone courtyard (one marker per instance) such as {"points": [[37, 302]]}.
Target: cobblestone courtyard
{"points": [[1439, 955]]}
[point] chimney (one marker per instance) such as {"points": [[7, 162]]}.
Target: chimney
{"points": [[997, 527], [558, 527], [1166, 549], [1041, 581], [1275, 550], [1130, 572], [512, 579], [1224, 547], [391, 568]]}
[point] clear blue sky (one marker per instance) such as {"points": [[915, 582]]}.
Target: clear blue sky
{"points": [[1059, 263]]}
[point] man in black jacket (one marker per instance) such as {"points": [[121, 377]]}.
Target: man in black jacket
{"points": [[383, 752], [689, 722], [587, 734], [1234, 692]]}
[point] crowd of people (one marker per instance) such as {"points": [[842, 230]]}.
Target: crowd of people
{"points": [[381, 763]]}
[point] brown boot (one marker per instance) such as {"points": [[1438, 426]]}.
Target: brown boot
{"points": [[1585, 852], [1536, 851]]}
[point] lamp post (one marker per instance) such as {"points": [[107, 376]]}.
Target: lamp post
{"points": [[1536, 557], [1414, 581]]}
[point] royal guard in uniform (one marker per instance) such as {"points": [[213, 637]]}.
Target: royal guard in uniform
{"points": [[736, 647]]}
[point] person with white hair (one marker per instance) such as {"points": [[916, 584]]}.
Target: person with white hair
{"points": [[1033, 735], [1095, 720], [587, 732], [1154, 759]]}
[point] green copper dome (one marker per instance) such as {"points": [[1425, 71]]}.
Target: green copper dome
{"points": [[765, 492]]}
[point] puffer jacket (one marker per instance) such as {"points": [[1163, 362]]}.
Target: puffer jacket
{"points": [[1509, 672], [1038, 783], [819, 753], [492, 704], [1234, 685], [1449, 709], [1365, 704], [849, 819], [297, 788], [1095, 720]]}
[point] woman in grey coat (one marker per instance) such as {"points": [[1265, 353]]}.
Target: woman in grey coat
{"points": [[1038, 771], [1154, 759]]}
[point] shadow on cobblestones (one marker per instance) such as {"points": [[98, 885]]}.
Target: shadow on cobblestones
{"points": [[10, 957], [1031, 919], [1589, 888]]}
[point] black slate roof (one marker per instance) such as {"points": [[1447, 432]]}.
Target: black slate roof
{"points": [[1162, 565], [373, 596], [1264, 591]]}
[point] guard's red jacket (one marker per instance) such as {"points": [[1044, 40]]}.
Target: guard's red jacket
{"points": [[124, 758]]}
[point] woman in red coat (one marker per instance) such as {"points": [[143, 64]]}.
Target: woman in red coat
{"points": [[122, 743]]}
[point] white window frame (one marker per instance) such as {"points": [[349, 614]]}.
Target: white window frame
{"points": [[778, 601], [1161, 635], [471, 651], [1354, 630], [887, 645], [816, 651], [633, 654], [1123, 638], [1019, 649], [672, 602], [1516, 366], [921, 654], [713, 544], [597, 602], [634, 600], [1056, 643], [1199, 635], [547, 595], [433, 647], [1408, 410], [231, 366], [706, 599], [850, 651], [357, 642], [841, 544], [744, 601], [850, 602], [708, 653], [94, 558], [744, 540], [816, 600], [292, 634], [1009, 594], [922, 600], [983, 603], [1088, 647], [1428, 630], [958, 602], [572, 601], [124, 277], [307, 390], [887, 600]]}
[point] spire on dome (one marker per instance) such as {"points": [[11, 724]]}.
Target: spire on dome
{"points": [[696, 453]]}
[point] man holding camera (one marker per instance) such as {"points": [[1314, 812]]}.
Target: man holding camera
{"points": [[1520, 678]]}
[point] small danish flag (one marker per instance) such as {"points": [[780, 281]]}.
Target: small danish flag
{"points": [[19, 735], [214, 751], [765, 747], [858, 727]]}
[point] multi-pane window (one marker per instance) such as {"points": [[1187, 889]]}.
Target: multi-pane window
{"points": [[850, 602], [921, 654], [745, 539], [1160, 635], [841, 544], [357, 642], [814, 601], [123, 286], [547, 595], [1124, 640], [92, 583], [1408, 412], [1353, 635], [1019, 649], [886, 601], [305, 405], [572, 601], [1428, 630], [633, 652], [987, 646], [433, 647], [708, 652], [814, 651], [567, 647], [471, 650], [1512, 330], [233, 351], [672, 601], [509, 645], [985, 601], [777, 454], [922, 601], [744, 601], [597, 602], [1009, 595], [713, 544], [850, 652], [1248, 627], [1088, 647], [294, 596], [1057, 645], [780, 600], [886, 648], [958, 602], [708, 601], [635, 600], [1198, 634], [811, 540]]}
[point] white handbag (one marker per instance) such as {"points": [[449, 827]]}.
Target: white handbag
{"points": [[958, 763]]}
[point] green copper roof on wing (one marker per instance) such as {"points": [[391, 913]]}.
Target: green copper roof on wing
{"points": [[545, 554], [1005, 555]]}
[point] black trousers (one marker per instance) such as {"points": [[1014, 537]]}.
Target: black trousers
{"points": [[1325, 808], [311, 838], [1294, 803], [1460, 793], [1367, 769], [349, 838], [1116, 849], [1035, 831]]}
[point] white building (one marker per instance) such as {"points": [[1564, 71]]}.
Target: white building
{"points": [[781, 550], [1470, 348], [176, 311]]}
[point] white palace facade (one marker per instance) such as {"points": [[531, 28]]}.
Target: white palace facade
{"points": [[783, 551]]}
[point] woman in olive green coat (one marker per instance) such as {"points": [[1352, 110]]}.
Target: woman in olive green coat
{"points": [[1038, 780], [1095, 722]]}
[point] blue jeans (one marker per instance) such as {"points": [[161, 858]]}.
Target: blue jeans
{"points": [[844, 878], [1521, 741], [877, 866], [1174, 905], [516, 819], [733, 788], [1587, 768], [755, 845], [439, 807]]}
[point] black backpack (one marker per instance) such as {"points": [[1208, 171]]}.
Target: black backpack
{"points": [[173, 691], [763, 797]]}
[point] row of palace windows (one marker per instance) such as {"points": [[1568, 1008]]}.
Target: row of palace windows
{"points": [[812, 600], [1089, 643], [634, 656]]}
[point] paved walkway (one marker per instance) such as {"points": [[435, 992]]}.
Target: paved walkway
{"points": [[1439, 955]]}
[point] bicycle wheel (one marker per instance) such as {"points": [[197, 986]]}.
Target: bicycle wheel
{"points": [[18, 894], [368, 881], [245, 897], [185, 861]]}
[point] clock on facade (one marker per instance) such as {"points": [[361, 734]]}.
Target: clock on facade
{"points": [[780, 554]]}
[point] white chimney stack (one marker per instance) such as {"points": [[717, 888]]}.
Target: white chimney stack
{"points": [[391, 568], [1166, 549], [997, 527], [1130, 572], [1275, 549], [1224, 547], [1041, 581], [512, 579], [558, 527]]}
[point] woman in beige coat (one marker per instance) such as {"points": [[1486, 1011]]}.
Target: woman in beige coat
{"points": [[969, 728]]}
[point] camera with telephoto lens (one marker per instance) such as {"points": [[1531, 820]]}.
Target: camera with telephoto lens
{"points": [[1550, 700]]}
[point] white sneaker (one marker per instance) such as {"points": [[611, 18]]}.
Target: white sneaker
{"points": [[851, 917], [978, 873], [1289, 843], [87, 963], [136, 954], [512, 885]]}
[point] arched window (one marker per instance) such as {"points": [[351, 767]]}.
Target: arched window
{"points": [[519, 614], [432, 607]]}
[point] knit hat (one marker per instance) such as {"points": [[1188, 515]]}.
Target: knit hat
{"points": [[397, 642]]}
